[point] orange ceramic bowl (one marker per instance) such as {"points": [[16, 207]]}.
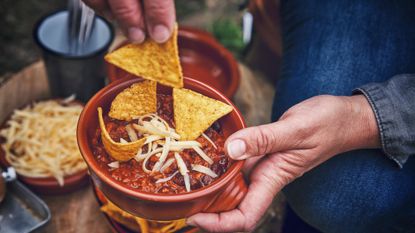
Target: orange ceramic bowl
{"points": [[203, 58], [222, 195]]}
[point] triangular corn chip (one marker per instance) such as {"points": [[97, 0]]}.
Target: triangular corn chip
{"points": [[151, 60], [137, 100], [118, 151], [194, 113], [121, 216], [139, 224]]}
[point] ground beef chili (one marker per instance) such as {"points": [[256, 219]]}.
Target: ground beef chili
{"points": [[131, 174]]}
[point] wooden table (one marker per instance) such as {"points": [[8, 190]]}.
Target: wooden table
{"points": [[79, 211]]}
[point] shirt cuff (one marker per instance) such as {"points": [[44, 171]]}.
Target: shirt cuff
{"points": [[383, 110]]}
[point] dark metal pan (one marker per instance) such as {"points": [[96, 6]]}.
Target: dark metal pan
{"points": [[20, 210]]}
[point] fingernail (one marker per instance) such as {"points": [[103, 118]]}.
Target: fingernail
{"points": [[160, 33], [136, 35], [190, 222], [236, 149]]}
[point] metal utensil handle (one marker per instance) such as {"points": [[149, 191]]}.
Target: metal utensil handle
{"points": [[80, 23]]}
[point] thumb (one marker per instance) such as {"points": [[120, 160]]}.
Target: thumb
{"points": [[160, 18], [259, 140]]}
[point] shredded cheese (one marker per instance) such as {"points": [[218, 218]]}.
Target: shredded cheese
{"points": [[152, 138], [167, 178], [203, 155], [147, 157], [41, 140], [163, 156], [145, 164], [181, 164], [155, 125], [115, 164], [140, 156], [168, 163], [183, 170], [185, 144], [131, 133], [176, 148], [209, 140], [187, 182], [204, 170]]}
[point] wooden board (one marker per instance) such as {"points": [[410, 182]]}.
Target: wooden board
{"points": [[76, 212], [22, 88]]}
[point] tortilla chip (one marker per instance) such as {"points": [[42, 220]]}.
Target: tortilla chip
{"points": [[118, 151], [150, 60], [121, 216], [137, 100], [139, 224], [194, 113]]}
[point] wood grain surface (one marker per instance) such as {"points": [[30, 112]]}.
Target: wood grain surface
{"points": [[79, 211], [20, 89], [76, 212]]}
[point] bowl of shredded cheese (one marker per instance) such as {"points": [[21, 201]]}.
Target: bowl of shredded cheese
{"points": [[39, 141]]}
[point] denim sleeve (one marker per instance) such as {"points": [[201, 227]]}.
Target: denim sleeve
{"points": [[393, 103]]}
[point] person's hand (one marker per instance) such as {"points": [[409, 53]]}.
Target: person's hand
{"points": [[136, 17], [305, 136]]}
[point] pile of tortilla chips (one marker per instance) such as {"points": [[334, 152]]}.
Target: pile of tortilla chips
{"points": [[139, 224], [193, 112]]}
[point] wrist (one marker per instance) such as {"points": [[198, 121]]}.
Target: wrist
{"points": [[363, 128]]}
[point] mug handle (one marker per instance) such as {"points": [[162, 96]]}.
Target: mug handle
{"points": [[230, 198]]}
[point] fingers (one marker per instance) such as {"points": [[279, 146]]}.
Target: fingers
{"points": [[160, 18], [264, 186], [259, 140], [130, 16], [244, 218], [231, 221]]}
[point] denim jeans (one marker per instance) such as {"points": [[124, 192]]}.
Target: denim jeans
{"points": [[333, 47]]}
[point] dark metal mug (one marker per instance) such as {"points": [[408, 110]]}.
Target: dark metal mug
{"points": [[81, 74]]}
